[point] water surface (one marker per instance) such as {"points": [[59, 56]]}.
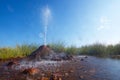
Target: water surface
{"points": [[107, 68]]}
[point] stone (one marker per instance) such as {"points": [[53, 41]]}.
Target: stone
{"points": [[31, 71], [82, 59], [81, 77], [11, 63], [86, 57], [44, 78]]}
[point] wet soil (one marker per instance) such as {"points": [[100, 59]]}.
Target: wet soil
{"points": [[79, 68]]}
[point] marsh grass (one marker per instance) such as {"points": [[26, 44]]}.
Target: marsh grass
{"points": [[57, 47], [99, 50], [17, 51], [72, 50]]}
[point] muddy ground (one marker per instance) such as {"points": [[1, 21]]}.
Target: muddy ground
{"points": [[79, 68]]}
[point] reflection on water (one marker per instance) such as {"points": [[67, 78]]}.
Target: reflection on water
{"points": [[108, 68]]}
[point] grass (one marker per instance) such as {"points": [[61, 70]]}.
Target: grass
{"points": [[17, 51], [99, 50], [72, 50], [57, 47]]}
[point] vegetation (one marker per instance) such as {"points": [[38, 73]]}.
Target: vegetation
{"points": [[57, 47], [17, 51], [101, 50], [72, 50], [97, 49], [94, 50]]}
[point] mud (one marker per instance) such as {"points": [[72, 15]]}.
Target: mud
{"points": [[79, 68]]}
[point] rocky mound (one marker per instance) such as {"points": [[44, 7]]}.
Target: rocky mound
{"points": [[44, 52]]}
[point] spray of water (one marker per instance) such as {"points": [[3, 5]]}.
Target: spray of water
{"points": [[46, 19]]}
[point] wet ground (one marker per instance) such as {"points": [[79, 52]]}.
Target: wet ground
{"points": [[79, 68]]}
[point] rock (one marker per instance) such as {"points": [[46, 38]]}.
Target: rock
{"points": [[92, 71], [86, 57], [115, 56], [57, 70], [59, 78], [42, 74], [31, 71], [71, 70], [82, 59], [55, 76], [11, 63], [45, 78], [84, 71], [81, 77], [52, 77], [66, 74]]}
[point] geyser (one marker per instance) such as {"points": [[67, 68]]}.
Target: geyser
{"points": [[46, 18], [44, 51], [43, 58]]}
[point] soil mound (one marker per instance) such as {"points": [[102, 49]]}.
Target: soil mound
{"points": [[41, 53], [44, 52]]}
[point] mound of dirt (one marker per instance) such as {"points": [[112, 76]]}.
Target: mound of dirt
{"points": [[44, 52]]}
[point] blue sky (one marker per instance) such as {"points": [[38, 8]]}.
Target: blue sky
{"points": [[75, 22]]}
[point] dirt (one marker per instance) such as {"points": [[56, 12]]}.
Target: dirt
{"points": [[45, 52], [79, 68]]}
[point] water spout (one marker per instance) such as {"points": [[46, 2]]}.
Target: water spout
{"points": [[46, 18]]}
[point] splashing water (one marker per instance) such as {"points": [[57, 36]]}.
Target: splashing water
{"points": [[46, 19]]}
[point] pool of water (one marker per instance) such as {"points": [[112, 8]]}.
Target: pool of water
{"points": [[108, 68]]}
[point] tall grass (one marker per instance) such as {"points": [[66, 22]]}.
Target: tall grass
{"points": [[94, 50], [17, 51], [72, 50], [99, 50], [57, 47], [60, 47]]}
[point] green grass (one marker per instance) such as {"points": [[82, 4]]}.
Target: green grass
{"points": [[72, 50], [99, 50], [17, 51], [57, 47]]}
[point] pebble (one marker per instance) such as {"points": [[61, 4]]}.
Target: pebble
{"points": [[81, 77]]}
